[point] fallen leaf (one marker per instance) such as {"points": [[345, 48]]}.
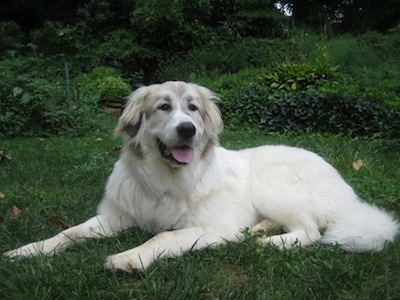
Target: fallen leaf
{"points": [[40, 139], [113, 150], [86, 144], [357, 165], [15, 213], [4, 156], [99, 140], [54, 221], [2, 195]]}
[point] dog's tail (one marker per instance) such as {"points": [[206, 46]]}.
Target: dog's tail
{"points": [[361, 228]]}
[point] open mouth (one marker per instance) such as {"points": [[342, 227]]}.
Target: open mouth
{"points": [[180, 155]]}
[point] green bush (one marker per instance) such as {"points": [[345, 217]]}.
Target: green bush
{"points": [[102, 83], [301, 112], [338, 114], [31, 104], [111, 88], [245, 109], [40, 108], [300, 76]]}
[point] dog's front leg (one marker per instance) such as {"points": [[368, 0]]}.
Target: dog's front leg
{"points": [[96, 227], [167, 244]]}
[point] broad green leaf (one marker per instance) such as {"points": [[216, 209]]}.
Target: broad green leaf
{"points": [[26, 98], [274, 85]]}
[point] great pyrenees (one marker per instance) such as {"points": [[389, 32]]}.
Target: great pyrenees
{"points": [[174, 180]]}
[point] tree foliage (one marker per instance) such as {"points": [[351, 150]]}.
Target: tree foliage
{"points": [[350, 16], [137, 35]]}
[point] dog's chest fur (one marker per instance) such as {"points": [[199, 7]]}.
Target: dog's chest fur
{"points": [[161, 198]]}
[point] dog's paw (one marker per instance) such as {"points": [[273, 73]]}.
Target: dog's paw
{"points": [[123, 262], [11, 255], [263, 227], [275, 240], [282, 241], [25, 251]]}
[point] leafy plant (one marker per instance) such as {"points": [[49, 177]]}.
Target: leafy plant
{"points": [[40, 108], [299, 76], [301, 112], [31, 104], [102, 83], [332, 114], [111, 88], [245, 109]]}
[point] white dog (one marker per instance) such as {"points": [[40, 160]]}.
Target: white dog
{"points": [[174, 180]]}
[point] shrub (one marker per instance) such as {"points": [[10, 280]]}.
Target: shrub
{"points": [[33, 105], [102, 83], [338, 114], [111, 88], [300, 76], [40, 108], [246, 109]]}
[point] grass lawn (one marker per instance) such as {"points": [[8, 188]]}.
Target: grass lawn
{"points": [[46, 182]]}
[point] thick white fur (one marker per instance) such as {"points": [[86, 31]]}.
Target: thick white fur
{"points": [[212, 199]]}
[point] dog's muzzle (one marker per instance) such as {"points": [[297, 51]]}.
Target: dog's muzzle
{"points": [[184, 153]]}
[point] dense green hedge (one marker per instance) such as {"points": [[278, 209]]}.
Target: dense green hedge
{"points": [[302, 112]]}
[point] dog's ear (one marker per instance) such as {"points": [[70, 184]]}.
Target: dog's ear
{"points": [[213, 118], [132, 117], [212, 115]]}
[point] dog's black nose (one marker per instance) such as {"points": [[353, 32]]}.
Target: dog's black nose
{"points": [[186, 130]]}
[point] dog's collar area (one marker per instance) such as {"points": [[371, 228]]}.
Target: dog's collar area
{"points": [[181, 155]]}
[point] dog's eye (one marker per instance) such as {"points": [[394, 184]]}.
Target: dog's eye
{"points": [[164, 107], [193, 107]]}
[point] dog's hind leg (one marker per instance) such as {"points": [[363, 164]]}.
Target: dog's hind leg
{"points": [[99, 226], [301, 237]]}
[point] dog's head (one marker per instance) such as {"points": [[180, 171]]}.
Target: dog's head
{"points": [[178, 120]]}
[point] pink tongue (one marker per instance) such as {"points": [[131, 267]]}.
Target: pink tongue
{"points": [[183, 155]]}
